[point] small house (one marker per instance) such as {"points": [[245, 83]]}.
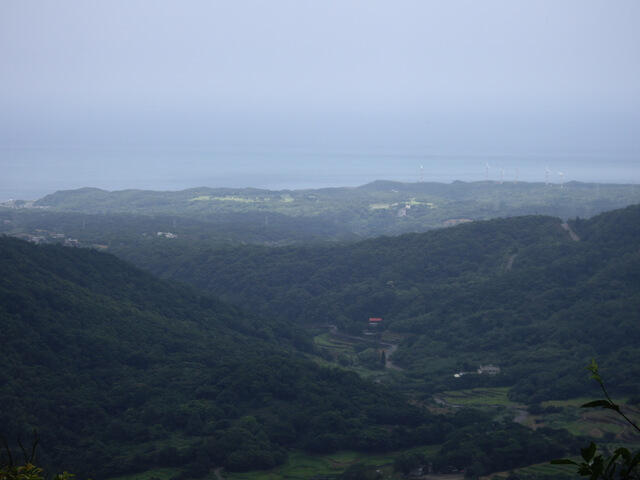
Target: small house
{"points": [[489, 369]]}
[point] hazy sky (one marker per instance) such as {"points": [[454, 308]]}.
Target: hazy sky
{"points": [[448, 76]]}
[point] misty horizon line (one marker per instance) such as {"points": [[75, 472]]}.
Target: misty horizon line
{"points": [[550, 184]]}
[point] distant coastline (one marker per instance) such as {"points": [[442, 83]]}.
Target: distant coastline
{"points": [[30, 174]]}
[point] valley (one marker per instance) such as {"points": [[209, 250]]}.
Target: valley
{"points": [[319, 240], [221, 339]]}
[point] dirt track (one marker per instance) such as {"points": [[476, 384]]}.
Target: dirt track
{"points": [[572, 234]]}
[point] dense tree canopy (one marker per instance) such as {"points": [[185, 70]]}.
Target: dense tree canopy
{"points": [[121, 372], [378, 208], [162, 374], [517, 292]]}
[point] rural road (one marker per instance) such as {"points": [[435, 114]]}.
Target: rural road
{"points": [[390, 364]]}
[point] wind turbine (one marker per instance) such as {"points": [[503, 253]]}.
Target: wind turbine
{"points": [[487, 177], [546, 181], [561, 179], [517, 173], [421, 172], [501, 175]]}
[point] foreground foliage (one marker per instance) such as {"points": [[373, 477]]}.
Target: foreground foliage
{"points": [[10, 469], [622, 463], [28, 472]]}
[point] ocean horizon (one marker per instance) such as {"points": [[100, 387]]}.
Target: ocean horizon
{"points": [[30, 174]]}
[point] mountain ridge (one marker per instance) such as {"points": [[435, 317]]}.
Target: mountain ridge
{"points": [[378, 208]]}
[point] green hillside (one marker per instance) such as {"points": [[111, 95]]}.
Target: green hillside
{"points": [[120, 372], [518, 292], [378, 208]]}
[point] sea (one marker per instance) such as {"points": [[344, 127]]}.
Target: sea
{"points": [[30, 174]]}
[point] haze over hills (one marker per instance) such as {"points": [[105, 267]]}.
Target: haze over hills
{"points": [[286, 216], [206, 328], [506, 196]]}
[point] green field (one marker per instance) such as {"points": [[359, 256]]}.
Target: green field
{"points": [[303, 466], [478, 396], [537, 471], [155, 474], [327, 342], [573, 402], [594, 423]]}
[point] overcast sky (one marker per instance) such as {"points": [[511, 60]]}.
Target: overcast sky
{"points": [[557, 74], [454, 76]]}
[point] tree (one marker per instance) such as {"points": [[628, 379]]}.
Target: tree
{"points": [[406, 462], [359, 471]]}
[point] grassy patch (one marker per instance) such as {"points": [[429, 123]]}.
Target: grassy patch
{"points": [[227, 198], [234, 198], [299, 465], [326, 341], [573, 402], [594, 423], [392, 337], [538, 470], [303, 466], [478, 396], [416, 202], [156, 473]]}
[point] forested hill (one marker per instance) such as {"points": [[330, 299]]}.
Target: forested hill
{"points": [[121, 372], [519, 292], [379, 208]]}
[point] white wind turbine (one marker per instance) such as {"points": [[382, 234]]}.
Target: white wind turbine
{"points": [[487, 176], [546, 181], [561, 179]]}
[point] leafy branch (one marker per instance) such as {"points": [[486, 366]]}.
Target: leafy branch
{"points": [[9, 470], [608, 403], [622, 464]]}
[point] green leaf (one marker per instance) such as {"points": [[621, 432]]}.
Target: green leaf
{"points": [[584, 470], [596, 469], [624, 452], [611, 466], [589, 452]]}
